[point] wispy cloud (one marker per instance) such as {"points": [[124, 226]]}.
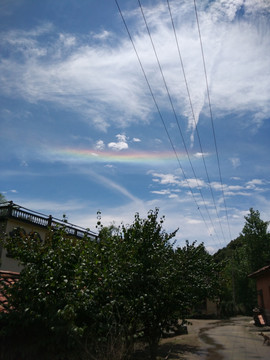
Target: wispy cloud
{"points": [[68, 94], [174, 183], [81, 76], [165, 179], [113, 185], [103, 35], [105, 181], [235, 162], [100, 145], [161, 192]]}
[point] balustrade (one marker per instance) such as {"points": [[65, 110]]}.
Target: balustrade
{"points": [[11, 210]]}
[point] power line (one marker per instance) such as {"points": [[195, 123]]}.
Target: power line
{"points": [[160, 115], [176, 118], [211, 116], [193, 115]]}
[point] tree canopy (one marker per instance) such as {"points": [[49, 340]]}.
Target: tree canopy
{"points": [[2, 198], [93, 298], [249, 252]]}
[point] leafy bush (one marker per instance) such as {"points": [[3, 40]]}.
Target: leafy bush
{"points": [[91, 299]]}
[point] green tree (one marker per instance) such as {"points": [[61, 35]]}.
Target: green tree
{"points": [[97, 293], [244, 255], [160, 283], [151, 287], [257, 241], [47, 304], [93, 298], [198, 276]]}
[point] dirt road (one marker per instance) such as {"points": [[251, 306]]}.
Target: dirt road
{"points": [[234, 339]]}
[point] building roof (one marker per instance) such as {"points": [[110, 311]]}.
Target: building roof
{"points": [[260, 272], [7, 278]]}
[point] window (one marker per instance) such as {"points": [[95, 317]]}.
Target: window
{"points": [[14, 234]]}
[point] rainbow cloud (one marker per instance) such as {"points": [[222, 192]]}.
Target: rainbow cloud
{"points": [[133, 157]]}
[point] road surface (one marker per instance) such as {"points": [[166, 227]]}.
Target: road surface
{"points": [[234, 339]]}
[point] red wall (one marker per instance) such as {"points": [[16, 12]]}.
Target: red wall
{"points": [[263, 287]]}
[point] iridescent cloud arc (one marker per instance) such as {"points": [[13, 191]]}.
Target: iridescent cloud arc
{"points": [[134, 157]]}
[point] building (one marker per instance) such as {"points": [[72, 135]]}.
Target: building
{"points": [[14, 217], [207, 309], [262, 277]]}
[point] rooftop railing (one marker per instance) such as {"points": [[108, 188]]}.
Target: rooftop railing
{"points": [[11, 210]]}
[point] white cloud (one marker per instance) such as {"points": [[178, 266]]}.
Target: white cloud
{"points": [[194, 221], [165, 179], [216, 185], [100, 145], [121, 138], [173, 196], [120, 145], [198, 184], [9, 191], [102, 35], [115, 186], [136, 140], [193, 183], [98, 121], [161, 192], [236, 193], [200, 155], [262, 6], [227, 189], [82, 77], [67, 40], [255, 182]]}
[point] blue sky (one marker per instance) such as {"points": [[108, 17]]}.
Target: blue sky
{"points": [[81, 132]]}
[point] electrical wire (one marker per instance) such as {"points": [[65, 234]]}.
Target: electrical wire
{"points": [[176, 118], [160, 115], [193, 116], [211, 117]]}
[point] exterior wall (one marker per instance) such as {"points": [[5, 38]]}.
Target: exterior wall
{"points": [[211, 308], [14, 216], [7, 226], [207, 308], [263, 290]]}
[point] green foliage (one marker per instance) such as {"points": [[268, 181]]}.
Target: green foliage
{"points": [[93, 298], [257, 240], [199, 275], [2, 198], [51, 293], [244, 255], [151, 266]]}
